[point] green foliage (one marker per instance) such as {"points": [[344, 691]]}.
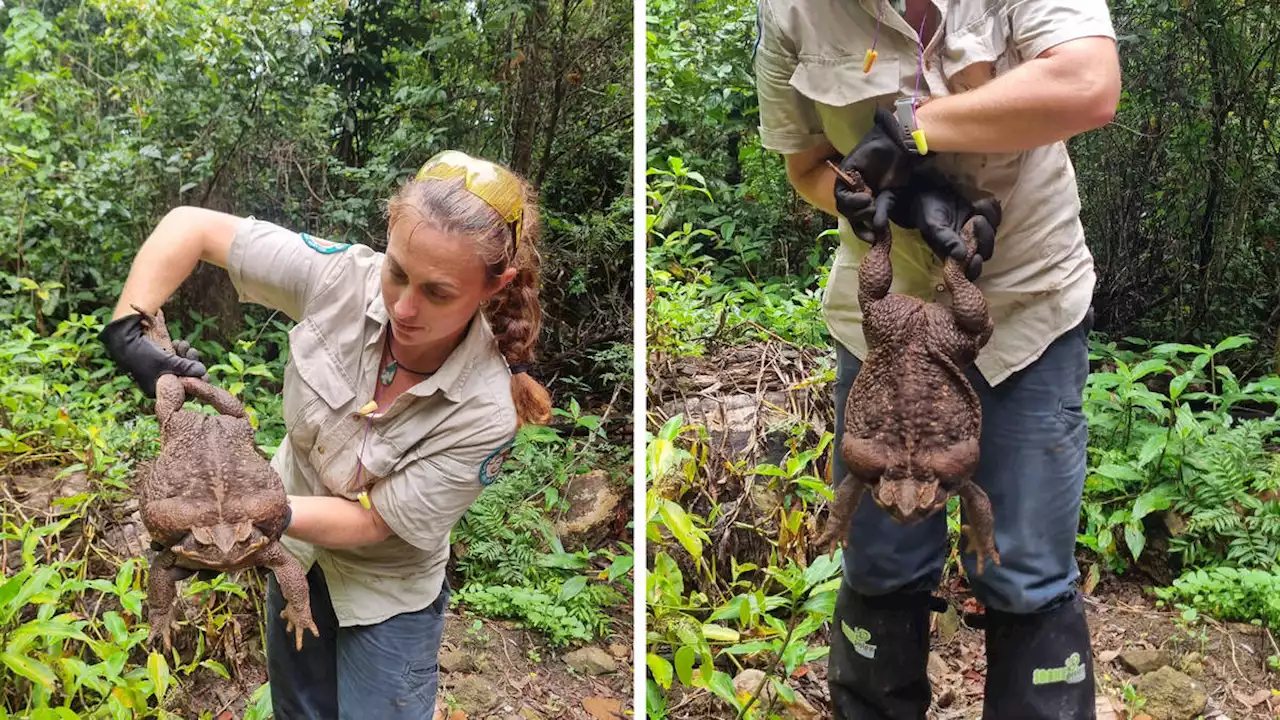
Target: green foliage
{"points": [[733, 254], [1179, 447], [70, 642], [701, 277], [1179, 193], [759, 615], [507, 548], [1227, 594]]}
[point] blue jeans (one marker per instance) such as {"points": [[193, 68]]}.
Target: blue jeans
{"points": [[1032, 467], [386, 671]]}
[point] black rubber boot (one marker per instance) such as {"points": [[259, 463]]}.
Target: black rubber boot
{"points": [[879, 655], [1039, 666]]}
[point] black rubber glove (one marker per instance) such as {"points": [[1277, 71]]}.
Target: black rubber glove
{"points": [[932, 206], [143, 359], [880, 157]]}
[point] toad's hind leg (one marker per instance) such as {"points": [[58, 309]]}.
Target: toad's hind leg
{"points": [[968, 306], [169, 398], [875, 272], [221, 400]]}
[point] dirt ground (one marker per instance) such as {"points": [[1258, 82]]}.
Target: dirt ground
{"points": [[493, 671], [1225, 661], [501, 672]]}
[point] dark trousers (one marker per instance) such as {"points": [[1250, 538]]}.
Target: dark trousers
{"points": [[383, 671], [1032, 467]]}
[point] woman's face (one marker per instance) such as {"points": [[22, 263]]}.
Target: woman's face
{"points": [[432, 283]]}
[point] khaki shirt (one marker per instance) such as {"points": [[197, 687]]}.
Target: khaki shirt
{"points": [[810, 84], [425, 458]]}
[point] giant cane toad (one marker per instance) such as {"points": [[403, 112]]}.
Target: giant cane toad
{"points": [[211, 499], [912, 419]]}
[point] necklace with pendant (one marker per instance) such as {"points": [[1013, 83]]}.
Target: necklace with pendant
{"points": [[389, 372]]}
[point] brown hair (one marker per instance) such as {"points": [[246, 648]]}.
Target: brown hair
{"points": [[514, 313]]}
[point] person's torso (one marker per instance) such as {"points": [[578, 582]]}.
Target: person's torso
{"points": [[1041, 275], [331, 448]]}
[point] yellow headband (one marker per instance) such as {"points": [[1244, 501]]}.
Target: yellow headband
{"points": [[487, 181]]}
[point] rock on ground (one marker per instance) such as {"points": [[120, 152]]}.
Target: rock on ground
{"points": [[473, 694], [746, 682], [1170, 695], [1140, 662], [592, 504], [591, 661]]}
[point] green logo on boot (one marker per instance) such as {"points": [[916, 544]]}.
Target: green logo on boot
{"points": [[1072, 672], [860, 639]]}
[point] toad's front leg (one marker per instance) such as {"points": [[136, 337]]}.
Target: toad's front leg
{"points": [[866, 461], [294, 587], [980, 531], [161, 589], [845, 504]]}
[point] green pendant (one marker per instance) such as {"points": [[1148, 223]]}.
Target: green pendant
{"points": [[388, 374]]}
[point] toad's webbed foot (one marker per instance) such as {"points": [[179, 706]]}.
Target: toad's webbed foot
{"points": [[980, 532]]}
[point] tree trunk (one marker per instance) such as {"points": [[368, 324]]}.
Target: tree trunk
{"points": [[527, 108]]}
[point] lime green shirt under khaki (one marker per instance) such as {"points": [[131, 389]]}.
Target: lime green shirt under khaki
{"points": [[811, 87], [426, 457]]}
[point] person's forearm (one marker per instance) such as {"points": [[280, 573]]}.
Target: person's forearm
{"points": [[334, 522], [1039, 103], [184, 237], [817, 185], [164, 261]]}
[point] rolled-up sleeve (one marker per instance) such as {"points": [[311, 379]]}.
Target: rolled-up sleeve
{"points": [[422, 502], [279, 268], [1038, 25], [789, 122]]}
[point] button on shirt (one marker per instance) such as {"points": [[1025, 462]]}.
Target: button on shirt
{"points": [[811, 87], [423, 459]]}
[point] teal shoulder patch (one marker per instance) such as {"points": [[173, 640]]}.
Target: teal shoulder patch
{"points": [[325, 247], [492, 465]]}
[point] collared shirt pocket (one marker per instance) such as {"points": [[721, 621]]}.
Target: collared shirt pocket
{"points": [[844, 96], [974, 51], [316, 385]]}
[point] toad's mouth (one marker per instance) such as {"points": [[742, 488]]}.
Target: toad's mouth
{"points": [[909, 501], [236, 553]]}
